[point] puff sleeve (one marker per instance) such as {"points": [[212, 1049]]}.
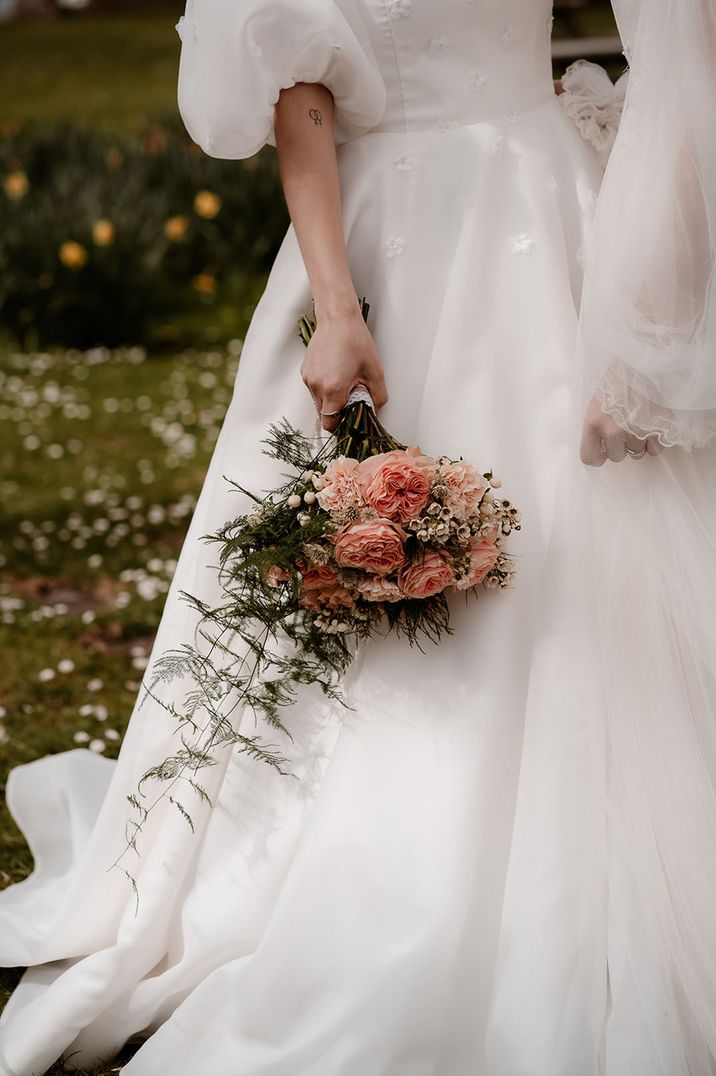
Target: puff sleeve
{"points": [[237, 56]]}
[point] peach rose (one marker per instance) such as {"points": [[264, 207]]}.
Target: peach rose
{"points": [[376, 588], [375, 545], [483, 556], [340, 488], [426, 576], [396, 483], [465, 484]]}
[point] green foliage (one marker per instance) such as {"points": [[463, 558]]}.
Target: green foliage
{"points": [[108, 240]]}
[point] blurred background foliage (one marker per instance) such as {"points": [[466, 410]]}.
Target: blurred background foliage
{"points": [[114, 227]]}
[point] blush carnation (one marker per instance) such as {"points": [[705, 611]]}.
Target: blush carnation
{"points": [[318, 576], [466, 486], [339, 486], [397, 483], [375, 545], [376, 588], [482, 557], [426, 576]]}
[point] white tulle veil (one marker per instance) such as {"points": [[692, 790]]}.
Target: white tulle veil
{"points": [[647, 344], [648, 312]]}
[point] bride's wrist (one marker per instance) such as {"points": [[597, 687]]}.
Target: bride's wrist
{"points": [[337, 307]]}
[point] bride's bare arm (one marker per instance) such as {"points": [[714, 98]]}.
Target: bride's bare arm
{"points": [[342, 352]]}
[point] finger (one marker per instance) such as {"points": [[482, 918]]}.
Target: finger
{"points": [[592, 450], [653, 446], [616, 445], [636, 445], [378, 391], [333, 399], [314, 395]]}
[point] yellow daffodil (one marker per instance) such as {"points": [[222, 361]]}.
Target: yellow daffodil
{"points": [[175, 228], [103, 232], [72, 254], [114, 158], [207, 204], [16, 185], [204, 283]]}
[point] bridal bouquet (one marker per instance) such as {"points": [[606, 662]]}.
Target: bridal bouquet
{"points": [[365, 536]]}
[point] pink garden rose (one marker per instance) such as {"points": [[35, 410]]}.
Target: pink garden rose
{"points": [[466, 486], [426, 576], [340, 488], [397, 483], [375, 545], [377, 588], [483, 556]]}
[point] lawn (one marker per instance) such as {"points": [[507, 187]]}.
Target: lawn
{"points": [[103, 455], [111, 72]]}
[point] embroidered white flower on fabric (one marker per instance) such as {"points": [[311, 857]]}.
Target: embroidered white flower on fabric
{"points": [[399, 9], [336, 46], [550, 25], [477, 79], [498, 144], [507, 36], [404, 164], [394, 246], [593, 102], [445, 126], [181, 28], [523, 244], [256, 49], [438, 45], [588, 199]]}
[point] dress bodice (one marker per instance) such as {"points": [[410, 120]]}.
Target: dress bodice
{"points": [[391, 65], [451, 62]]}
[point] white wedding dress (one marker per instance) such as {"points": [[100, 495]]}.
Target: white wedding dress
{"points": [[499, 862]]}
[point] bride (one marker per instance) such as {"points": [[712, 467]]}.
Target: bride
{"points": [[502, 860]]}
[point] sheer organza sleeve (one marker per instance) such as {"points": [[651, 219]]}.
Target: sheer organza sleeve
{"points": [[647, 325], [237, 56]]}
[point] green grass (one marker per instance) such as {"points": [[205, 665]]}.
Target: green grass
{"points": [[88, 540], [108, 71]]}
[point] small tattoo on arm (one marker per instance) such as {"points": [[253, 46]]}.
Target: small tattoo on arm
{"points": [[315, 114]]}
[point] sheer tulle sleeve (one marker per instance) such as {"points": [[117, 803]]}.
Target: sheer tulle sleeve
{"points": [[237, 55], [647, 327]]}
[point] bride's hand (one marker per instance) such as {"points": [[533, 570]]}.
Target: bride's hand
{"points": [[340, 355], [603, 439]]}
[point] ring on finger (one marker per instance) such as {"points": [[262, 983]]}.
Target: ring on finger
{"points": [[636, 455]]}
